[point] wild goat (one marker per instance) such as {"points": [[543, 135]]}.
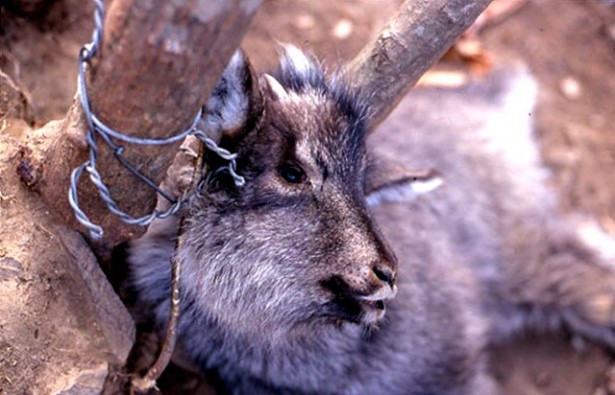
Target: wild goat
{"points": [[330, 272]]}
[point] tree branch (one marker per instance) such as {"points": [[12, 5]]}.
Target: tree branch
{"points": [[158, 63], [412, 41]]}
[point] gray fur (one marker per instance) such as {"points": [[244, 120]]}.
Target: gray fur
{"points": [[283, 284]]}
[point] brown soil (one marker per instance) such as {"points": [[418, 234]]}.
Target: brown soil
{"points": [[568, 45]]}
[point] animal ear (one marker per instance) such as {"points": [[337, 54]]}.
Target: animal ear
{"points": [[389, 181], [235, 102]]}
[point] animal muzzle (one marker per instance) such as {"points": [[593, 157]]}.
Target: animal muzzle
{"points": [[379, 284], [382, 279], [360, 297]]}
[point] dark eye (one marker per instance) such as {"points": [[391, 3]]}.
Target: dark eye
{"points": [[291, 173]]}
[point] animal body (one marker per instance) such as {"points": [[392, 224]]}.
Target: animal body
{"points": [[336, 270]]}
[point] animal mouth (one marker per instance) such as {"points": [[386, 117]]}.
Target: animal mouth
{"points": [[382, 294], [372, 311], [358, 311], [356, 306], [373, 304]]}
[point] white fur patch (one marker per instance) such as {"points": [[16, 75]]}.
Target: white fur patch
{"points": [[404, 192], [511, 134], [598, 240], [296, 59]]}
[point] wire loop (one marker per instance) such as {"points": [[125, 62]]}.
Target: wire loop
{"points": [[97, 128]]}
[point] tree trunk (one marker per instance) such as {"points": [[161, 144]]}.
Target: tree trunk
{"points": [[158, 63]]}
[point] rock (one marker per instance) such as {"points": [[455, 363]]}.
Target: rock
{"points": [[81, 382], [62, 327], [13, 101], [113, 318]]}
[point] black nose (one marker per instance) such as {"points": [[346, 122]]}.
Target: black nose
{"points": [[384, 274]]}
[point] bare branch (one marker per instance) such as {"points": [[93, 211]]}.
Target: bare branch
{"points": [[148, 382], [416, 37], [157, 66]]}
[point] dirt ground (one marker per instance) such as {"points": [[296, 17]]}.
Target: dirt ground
{"points": [[568, 45]]}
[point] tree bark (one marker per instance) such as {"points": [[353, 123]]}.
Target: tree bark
{"points": [[412, 41], [158, 63]]}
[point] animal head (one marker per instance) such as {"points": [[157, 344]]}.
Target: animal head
{"points": [[294, 246]]}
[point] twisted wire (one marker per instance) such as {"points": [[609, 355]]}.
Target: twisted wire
{"points": [[97, 128]]}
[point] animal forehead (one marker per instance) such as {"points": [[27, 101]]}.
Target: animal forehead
{"points": [[319, 125]]}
